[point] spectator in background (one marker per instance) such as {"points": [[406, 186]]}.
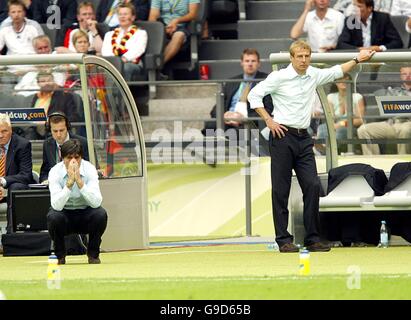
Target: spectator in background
{"points": [[175, 17], [4, 18], [15, 163], [19, 34], [323, 25], [52, 98], [127, 41], [107, 11], [81, 43], [337, 100], [394, 128], [236, 105], [87, 23], [369, 29], [41, 45]]}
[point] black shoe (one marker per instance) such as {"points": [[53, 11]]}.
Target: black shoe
{"points": [[61, 260], [92, 260], [319, 247], [289, 247]]}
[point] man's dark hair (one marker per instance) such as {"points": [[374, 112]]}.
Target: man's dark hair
{"points": [[250, 51], [368, 3], [16, 3], [71, 147]]}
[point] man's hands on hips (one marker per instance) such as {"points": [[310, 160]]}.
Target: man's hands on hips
{"points": [[276, 128]]}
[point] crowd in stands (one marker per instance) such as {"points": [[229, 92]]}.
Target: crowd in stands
{"points": [[112, 30]]}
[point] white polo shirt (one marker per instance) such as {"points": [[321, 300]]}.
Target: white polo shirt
{"points": [[136, 45], [20, 42], [293, 94], [323, 33]]}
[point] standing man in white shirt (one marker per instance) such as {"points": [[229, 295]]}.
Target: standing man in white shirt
{"points": [[127, 41], [75, 202], [323, 25], [291, 147]]}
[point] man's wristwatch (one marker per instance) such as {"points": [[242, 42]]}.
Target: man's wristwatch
{"points": [[3, 182], [356, 60]]}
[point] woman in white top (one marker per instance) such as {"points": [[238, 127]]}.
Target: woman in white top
{"points": [[127, 41], [338, 101]]}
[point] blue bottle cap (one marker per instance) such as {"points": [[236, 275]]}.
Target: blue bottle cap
{"points": [[383, 221]]}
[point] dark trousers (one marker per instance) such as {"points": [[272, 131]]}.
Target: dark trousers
{"points": [[10, 188], [294, 151], [91, 221]]}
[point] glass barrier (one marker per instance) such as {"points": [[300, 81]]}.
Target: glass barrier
{"points": [[57, 87], [118, 151]]}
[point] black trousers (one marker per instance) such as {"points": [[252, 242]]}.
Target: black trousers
{"points": [[91, 221], [14, 186], [294, 151]]}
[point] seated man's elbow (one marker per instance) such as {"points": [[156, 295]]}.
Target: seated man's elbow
{"points": [[56, 207]]}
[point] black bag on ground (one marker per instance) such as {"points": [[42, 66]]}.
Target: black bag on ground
{"points": [[39, 244]]}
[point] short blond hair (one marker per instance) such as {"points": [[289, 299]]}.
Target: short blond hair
{"points": [[4, 118], [299, 44], [80, 34]]}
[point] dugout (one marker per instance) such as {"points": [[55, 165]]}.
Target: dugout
{"points": [[100, 106], [377, 82]]}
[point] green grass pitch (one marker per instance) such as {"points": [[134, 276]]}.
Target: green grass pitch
{"points": [[240, 272]]}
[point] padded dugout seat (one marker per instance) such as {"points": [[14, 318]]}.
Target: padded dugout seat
{"points": [[400, 196], [351, 192]]}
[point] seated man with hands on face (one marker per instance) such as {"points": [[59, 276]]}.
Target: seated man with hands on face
{"points": [[75, 202], [59, 126]]}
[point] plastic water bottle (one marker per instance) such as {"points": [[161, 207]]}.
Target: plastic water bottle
{"points": [[273, 246], [53, 273], [304, 262], [383, 235]]}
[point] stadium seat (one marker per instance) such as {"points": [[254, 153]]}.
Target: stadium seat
{"points": [[116, 62], [257, 10], [265, 29], [232, 49], [351, 192], [153, 58], [223, 11], [399, 23]]}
